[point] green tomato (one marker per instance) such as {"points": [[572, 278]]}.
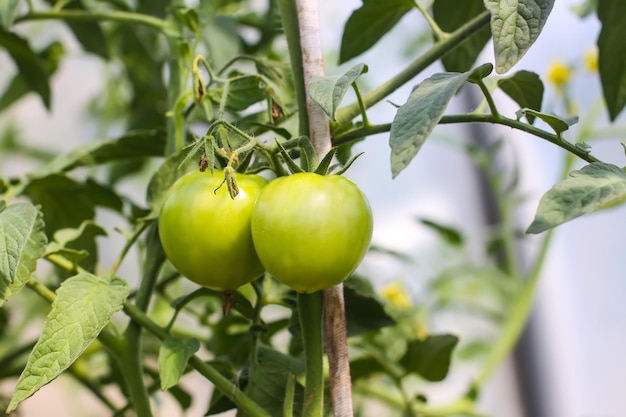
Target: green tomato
{"points": [[206, 234], [311, 231]]}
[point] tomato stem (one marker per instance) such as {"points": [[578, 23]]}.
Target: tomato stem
{"points": [[310, 316]]}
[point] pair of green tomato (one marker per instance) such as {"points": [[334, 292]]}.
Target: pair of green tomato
{"points": [[309, 231]]}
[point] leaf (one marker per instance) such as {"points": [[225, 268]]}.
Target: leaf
{"points": [[8, 11], [28, 64], [68, 242], [65, 204], [612, 53], [417, 118], [134, 145], [364, 368], [243, 91], [451, 15], [448, 234], [557, 123], [364, 310], [595, 186], [173, 357], [526, 89], [22, 243], [18, 87], [515, 26], [368, 24], [88, 34], [83, 307], [328, 91], [430, 358], [268, 380]]}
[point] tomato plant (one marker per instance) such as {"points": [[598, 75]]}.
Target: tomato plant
{"points": [[311, 231], [91, 204], [206, 234]]}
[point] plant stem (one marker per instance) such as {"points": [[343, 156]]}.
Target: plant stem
{"points": [[310, 313], [131, 360], [439, 49], [360, 133], [89, 16], [291, 28], [174, 123], [221, 382]]}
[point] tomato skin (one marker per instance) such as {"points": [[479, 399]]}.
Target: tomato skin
{"points": [[206, 234], [311, 231]]}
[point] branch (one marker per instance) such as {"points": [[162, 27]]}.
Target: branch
{"points": [[360, 133], [89, 16], [438, 50]]}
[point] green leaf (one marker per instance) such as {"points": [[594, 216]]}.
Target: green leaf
{"points": [[430, 358], [557, 123], [515, 26], [526, 89], [18, 87], [132, 146], [416, 119], [596, 186], [173, 357], [612, 53], [88, 34], [268, 380], [328, 91], [368, 24], [451, 15], [22, 242], [65, 204], [8, 11], [243, 91], [447, 233], [103, 195], [83, 307], [364, 310], [28, 64], [68, 242], [364, 368]]}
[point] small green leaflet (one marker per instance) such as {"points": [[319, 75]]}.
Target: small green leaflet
{"points": [[557, 123], [22, 242], [173, 357], [83, 307], [596, 186], [515, 26], [328, 91]]}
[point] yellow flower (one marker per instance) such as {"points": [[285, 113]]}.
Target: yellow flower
{"points": [[396, 295], [591, 60], [559, 74]]}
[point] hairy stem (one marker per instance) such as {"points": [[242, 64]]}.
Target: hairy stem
{"points": [[357, 134]]}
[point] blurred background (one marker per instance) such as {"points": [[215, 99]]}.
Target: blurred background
{"points": [[569, 362]]}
